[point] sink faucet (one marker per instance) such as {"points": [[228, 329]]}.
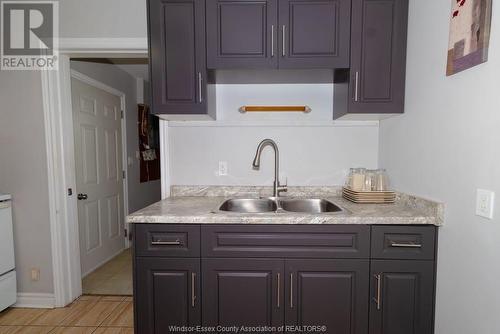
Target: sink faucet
{"points": [[277, 187]]}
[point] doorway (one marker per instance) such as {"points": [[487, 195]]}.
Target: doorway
{"points": [[100, 174], [108, 96], [98, 129]]}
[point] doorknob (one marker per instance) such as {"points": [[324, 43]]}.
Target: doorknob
{"points": [[82, 197]]}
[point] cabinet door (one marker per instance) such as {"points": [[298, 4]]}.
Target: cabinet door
{"points": [[331, 293], [378, 56], [402, 297], [177, 56], [242, 33], [314, 33], [242, 292], [166, 293]]}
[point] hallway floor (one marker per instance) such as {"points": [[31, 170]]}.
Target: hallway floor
{"points": [[112, 278], [86, 315]]}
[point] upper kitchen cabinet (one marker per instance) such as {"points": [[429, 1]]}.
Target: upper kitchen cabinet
{"points": [[177, 58], [314, 33], [242, 33], [278, 34], [375, 83]]}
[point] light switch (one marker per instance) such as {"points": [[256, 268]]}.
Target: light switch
{"points": [[222, 168], [485, 203]]}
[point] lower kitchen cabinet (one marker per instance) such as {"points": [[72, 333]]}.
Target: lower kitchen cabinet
{"points": [[331, 293], [242, 292], [166, 293], [403, 297], [353, 279]]}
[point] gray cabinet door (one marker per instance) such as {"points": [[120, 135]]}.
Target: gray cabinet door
{"points": [[166, 293], [331, 293], [402, 297], [242, 292], [242, 33], [378, 56], [314, 33], [177, 56]]}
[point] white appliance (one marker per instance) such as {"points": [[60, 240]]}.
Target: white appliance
{"points": [[8, 287]]}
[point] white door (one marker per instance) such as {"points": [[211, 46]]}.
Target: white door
{"points": [[99, 180]]}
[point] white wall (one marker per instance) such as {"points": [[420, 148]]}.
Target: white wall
{"points": [[23, 173], [103, 18], [309, 155], [445, 147], [140, 195], [314, 150]]}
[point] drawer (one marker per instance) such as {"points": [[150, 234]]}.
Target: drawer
{"points": [[403, 242], [167, 240], [292, 241]]}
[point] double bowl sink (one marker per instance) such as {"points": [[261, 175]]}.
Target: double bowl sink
{"points": [[279, 205]]}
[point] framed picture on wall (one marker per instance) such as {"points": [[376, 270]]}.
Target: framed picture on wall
{"points": [[469, 34]]}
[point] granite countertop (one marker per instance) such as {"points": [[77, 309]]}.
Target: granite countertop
{"points": [[196, 205]]}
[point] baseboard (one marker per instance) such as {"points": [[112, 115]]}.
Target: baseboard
{"points": [[35, 300]]}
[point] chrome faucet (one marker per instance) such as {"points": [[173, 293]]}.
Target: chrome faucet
{"points": [[277, 187]]}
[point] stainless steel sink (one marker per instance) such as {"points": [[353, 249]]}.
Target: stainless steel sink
{"points": [[308, 205], [279, 205], [249, 205]]}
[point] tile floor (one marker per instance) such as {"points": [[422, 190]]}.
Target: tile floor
{"points": [[86, 315], [112, 278]]}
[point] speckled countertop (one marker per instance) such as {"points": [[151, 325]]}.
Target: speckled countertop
{"points": [[198, 205]]}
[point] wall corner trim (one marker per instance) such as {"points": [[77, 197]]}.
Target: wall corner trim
{"points": [[35, 300]]}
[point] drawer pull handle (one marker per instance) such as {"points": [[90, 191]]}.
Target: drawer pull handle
{"points": [[166, 243], [291, 290], [193, 289], [405, 244], [378, 277]]}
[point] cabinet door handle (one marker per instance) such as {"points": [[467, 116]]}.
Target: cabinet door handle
{"points": [[378, 278], [272, 40], [356, 87], [200, 79], [193, 289], [166, 243], [279, 288], [283, 35], [408, 244], [291, 290]]}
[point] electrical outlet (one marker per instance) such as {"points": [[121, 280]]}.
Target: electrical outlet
{"points": [[222, 168], [485, 201], [35, 274]]}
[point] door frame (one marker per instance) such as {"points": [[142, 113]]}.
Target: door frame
{"points": [[123, 122], [59, 142]]}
